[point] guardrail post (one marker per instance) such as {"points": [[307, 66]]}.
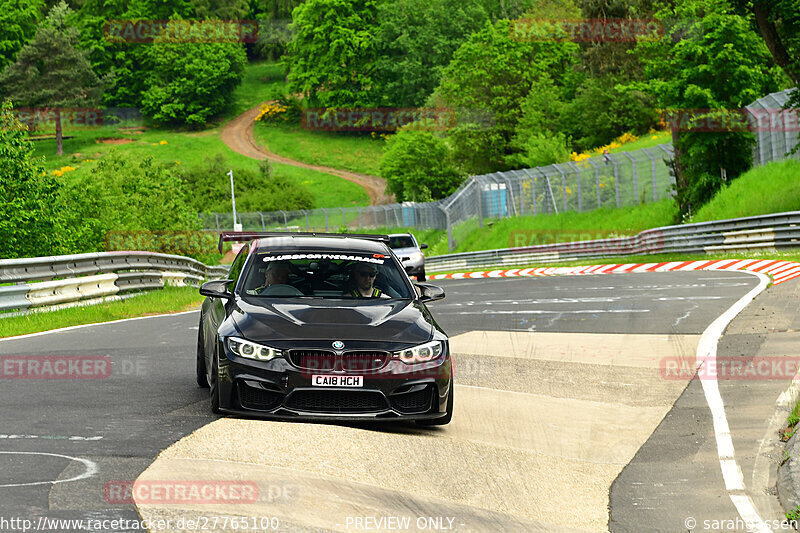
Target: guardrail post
{"points": [[344, 219], [326, 218], [285, 219], [216, 216], [263, 224], [360, 212]]}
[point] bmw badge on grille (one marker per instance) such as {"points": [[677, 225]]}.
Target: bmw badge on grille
{"points": [[337, 345]]}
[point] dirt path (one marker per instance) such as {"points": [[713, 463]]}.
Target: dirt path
{"points": [[238, 135]]}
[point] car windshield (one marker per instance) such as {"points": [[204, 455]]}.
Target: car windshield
{"points": [[401, 241], [344, 274]]}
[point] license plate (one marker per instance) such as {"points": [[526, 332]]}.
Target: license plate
{"points": [[337, 381]]}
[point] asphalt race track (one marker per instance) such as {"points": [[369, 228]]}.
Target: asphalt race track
{"points": [[565, 420]]}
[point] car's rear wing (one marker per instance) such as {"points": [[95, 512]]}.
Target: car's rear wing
{"points": [[244, 236]]}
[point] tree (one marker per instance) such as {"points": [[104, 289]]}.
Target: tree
{"points": [[18, 22], [537, 140], [333, 52], [494, 71], [721, 69], [416, 42], [221, 9], [51, 71], [778, 21], [188, 84], [29, 217], [418, 166], [124, 61]]}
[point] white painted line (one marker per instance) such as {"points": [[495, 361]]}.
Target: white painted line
{"points": [[95, 324], [90, 469], [49, 437], [707, 353]]}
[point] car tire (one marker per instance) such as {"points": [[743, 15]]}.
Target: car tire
{"points": [[421, 275], [202, 378], [215, 389], [449, 412]]}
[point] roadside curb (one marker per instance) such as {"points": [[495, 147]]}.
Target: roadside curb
{"points": [[789, 476], [779, 271]]}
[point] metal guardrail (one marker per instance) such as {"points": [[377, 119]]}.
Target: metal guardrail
{"points": [[47, 281], [763, 232]]}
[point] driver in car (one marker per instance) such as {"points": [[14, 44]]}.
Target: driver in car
{"points": [[361, 281], [277, 274]]}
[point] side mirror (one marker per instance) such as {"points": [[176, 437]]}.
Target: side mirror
{"points": [[423, 246], [428, 292], [217, 288]]}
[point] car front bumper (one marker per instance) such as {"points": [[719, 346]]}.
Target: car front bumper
{"points": [[278, 389]]}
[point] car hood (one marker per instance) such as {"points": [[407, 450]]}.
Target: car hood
{"points": [[266, 320]]}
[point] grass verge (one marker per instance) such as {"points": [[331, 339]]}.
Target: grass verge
{"points": [[348, 151], [167, 300], [773, 188]]}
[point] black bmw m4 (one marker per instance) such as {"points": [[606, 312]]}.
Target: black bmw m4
{"points": [[323, 327]]}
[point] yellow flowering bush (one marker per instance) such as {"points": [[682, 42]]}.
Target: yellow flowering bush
{"points": [[62, 170], [271, 112]]}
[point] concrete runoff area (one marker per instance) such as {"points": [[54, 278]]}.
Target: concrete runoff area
{"points": [[521, 459]]}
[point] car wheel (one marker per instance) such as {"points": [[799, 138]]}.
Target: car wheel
{"points": [[449, 412], [202, 378], [214, 388], [421, 275]]}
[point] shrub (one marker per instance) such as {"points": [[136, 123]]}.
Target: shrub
{"points": [[418, 166], [255, 190], [124, 193], [29, 218], [190, 84]]}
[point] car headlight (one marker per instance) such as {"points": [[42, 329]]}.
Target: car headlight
{"points": [[417, 256], [422, 353], [251, 350]]}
